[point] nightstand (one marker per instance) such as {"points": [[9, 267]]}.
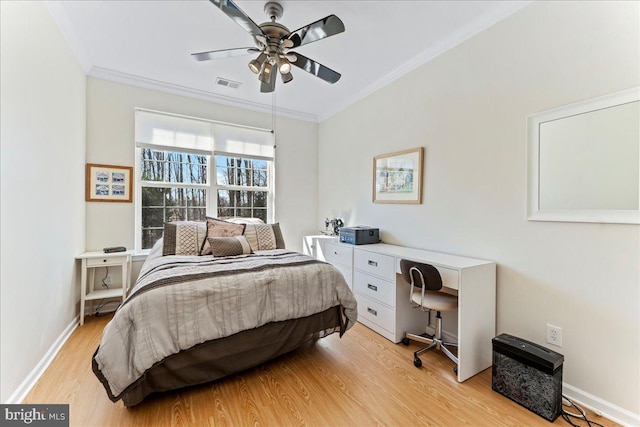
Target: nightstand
{"points": [[93, 260]]}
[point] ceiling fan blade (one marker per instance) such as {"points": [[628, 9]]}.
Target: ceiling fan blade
{"points": [[315, 68], [226, 53], [323, 28], [240, 18], [271, 85]]}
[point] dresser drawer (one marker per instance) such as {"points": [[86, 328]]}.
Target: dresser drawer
{"points": [[450, 277], [97, 262], [338, 254], [374, 287], [376, 264], [375, 312]]}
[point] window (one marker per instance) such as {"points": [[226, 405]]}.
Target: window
{"points": [[176, 159], [242, 187], [173, 188]]}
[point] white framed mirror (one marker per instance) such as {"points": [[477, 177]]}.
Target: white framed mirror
{"points": [[583, 161]]}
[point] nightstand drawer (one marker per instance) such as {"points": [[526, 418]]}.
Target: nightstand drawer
{"points": [[106, 261], [376, 264], [338, 254], [374, 287]]}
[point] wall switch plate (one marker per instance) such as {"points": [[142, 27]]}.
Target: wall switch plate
{"points": [[554, 335]]}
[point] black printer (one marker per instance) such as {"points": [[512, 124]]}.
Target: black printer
{"points": [[360, 235]]}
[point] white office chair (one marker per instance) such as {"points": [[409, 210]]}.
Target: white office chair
{"points": [[425, 293]]}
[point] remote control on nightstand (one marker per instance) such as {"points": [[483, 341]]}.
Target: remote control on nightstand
{"points": [[114, 249]]}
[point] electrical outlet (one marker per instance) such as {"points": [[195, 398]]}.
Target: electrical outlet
{"points": [[554, 335]]}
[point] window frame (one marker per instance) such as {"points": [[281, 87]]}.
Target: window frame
{"points": [[211, 189], [235, 140], [269, 188]]}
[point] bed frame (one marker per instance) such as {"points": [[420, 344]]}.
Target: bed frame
{"points": [[219, 358]]}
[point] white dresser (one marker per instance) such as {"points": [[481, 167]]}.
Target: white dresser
{"points": [[381, 296], [329, 249], [373, 272]]}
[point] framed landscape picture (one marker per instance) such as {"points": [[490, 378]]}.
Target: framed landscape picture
{"points": [[397, 177], [107, 183]]}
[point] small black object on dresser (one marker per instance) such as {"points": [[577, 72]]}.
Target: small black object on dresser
{"points": [[360, 235], [114, 249], [528, 374]]}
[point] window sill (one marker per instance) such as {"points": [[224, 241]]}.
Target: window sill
{"points": [[140, 255]]}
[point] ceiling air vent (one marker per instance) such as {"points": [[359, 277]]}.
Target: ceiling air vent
{"points": [[228, 83]]}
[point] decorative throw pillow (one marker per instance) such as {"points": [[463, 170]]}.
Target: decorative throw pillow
{"points": [[229, 246], [183, 237], [219, 228], [263, 237]]}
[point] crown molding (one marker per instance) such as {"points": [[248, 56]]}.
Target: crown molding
{"points": [[134, 80], [61, 18], [478, 25]]}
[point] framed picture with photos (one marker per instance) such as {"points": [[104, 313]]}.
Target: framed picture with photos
{"points": [[108, 183]]}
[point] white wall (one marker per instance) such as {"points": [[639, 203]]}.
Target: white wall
{"points": [[468, 108], [42, 103], [110, 140]]}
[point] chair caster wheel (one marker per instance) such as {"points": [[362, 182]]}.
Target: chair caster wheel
{"points": [[417, 362], [406, 341], [455, 370]]}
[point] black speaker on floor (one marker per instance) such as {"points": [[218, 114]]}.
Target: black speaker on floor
{"points": [[528, 374]]}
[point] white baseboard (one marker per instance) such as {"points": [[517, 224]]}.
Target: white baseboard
{"points": [[446, 335], [601, 407], [25, 387]]}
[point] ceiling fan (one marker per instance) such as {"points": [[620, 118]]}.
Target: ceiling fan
{"points": [[274, 41]]}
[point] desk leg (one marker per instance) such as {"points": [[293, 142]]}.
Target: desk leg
{"points": [[476, 321], [83, 289]]}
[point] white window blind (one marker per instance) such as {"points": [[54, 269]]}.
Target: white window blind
{"points": [[163, 131], [245, 142]]}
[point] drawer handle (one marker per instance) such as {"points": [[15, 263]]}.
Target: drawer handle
{"points": [[372, 311], [373, 263], [336, 253], [372, 287], [104, 260]]}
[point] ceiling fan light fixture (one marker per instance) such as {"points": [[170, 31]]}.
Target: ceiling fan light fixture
{"points": [[286, 78], [265, 74], [256, 64], [284, 66], [274, 42]]}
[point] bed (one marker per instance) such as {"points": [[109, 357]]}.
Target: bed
{"points": [[193, 319]]}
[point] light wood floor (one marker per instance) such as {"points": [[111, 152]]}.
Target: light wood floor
{"points": [[359, 380]]}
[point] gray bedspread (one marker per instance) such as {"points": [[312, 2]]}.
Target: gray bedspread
{"points": [[182, 301]]}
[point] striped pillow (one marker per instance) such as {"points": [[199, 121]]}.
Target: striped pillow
{"points": [[263, 237], [229, 246], [183, 237]]}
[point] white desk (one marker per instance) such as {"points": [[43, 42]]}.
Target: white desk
{"points": [[383, 296]]}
